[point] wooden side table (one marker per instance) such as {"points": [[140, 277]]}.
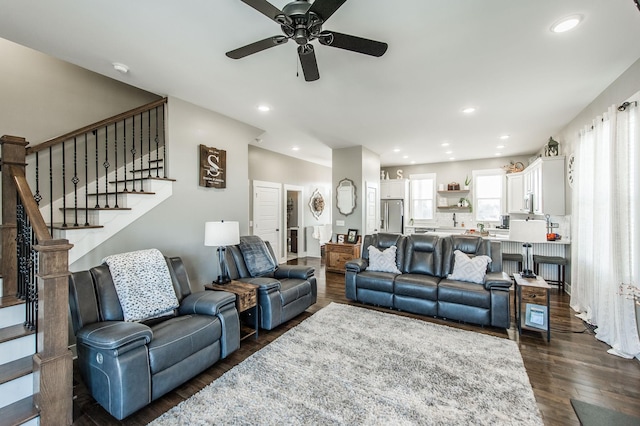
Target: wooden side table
{"points": [[536, 317], [246, 298], [338, 254]]}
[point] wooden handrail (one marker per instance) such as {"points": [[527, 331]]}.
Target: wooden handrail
{"points": [[95, 126], [30, 206]]}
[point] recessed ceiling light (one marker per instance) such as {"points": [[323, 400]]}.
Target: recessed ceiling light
{"points": [[504, 137], [449, 152], [396, 149], [498, 154], [445, 144], [500, 146], [566, 24], [452, 158], [264, 108], [295, 148], [121, 68], [413, 162], [405, 156], [469, 110]]}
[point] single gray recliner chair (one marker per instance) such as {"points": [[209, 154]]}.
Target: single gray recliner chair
{"points": [[284, 291]]}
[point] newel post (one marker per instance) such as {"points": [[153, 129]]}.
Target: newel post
{"points": [[53, 365], [13, 154]]}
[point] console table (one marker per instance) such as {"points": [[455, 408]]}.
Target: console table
{"points": [[246, 298], [338, 254]]}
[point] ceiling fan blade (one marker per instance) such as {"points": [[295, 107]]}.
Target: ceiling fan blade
{"points": [[308, 62], [256, 47], [353, 43], [326, 8], [264, 7]]}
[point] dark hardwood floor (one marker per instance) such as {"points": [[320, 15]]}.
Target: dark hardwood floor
{"points": [[573, 365]]}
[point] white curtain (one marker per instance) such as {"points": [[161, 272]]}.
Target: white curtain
{"points": [[605, 243]]}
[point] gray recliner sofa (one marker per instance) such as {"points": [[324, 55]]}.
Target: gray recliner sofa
{"points": [[282, 294], [423, 288], [126, 365]]}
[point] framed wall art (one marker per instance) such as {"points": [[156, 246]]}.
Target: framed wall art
{"points": [[213, 167]]}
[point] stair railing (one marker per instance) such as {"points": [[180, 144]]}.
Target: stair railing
{"points": [[90, 168], [35, 267]]}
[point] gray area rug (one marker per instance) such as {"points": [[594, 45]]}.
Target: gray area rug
{"points": [[348, 365]]}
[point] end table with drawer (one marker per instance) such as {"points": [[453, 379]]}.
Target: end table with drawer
{"points": [[338, 254], [246, 298], [535, 317]]}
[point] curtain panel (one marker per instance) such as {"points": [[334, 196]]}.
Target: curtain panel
{"points": [[605, 249]]}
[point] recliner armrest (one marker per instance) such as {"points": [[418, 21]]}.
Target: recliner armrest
{"points": [[117, 336], [497, 280], [263, 283], [356, 265], [294, 271], [206, 302]]}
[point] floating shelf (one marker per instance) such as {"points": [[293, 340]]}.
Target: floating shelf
{"points": [[461, 191], [456, 208]]}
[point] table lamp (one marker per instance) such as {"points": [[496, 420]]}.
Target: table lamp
{"points": [[528, 231], [222, 234]]}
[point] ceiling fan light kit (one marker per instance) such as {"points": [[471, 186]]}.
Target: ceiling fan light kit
{"points": [[302, 22]]}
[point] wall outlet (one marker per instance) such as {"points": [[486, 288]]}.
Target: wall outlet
{"points": [[339, 222]]}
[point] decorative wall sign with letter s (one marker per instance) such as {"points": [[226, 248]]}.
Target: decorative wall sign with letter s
{"points": [[213, 167]]}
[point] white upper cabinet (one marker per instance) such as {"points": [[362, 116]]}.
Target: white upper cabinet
{"points": [[539, 189], [394, 189]]}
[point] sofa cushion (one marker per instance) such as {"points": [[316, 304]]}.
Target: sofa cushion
{"points": [[469, 269], [378, 281], [417, 285], [181, 337], [383, 261], [464, 293], [292, 289]]}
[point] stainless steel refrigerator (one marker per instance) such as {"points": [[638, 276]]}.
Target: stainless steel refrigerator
{"points": [[392, 216]]}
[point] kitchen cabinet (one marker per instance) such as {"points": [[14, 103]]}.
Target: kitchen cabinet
{"points": [[515, 192], [397, 189], [540, 188]]}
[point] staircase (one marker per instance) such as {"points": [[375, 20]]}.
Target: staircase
{"points": [[17, 347], [96, 196]]}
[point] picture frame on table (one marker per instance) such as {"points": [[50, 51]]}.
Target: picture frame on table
{"points": [[352, 236]]}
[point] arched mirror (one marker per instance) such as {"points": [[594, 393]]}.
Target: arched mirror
{"points": [[346, 196]]}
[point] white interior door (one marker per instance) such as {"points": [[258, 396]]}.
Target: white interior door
{"points": [[372, 209], [267, 216]]}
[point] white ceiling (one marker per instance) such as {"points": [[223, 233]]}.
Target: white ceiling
{"points": [[496, 55]]}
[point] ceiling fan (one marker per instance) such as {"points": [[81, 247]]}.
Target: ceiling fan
{"points": [[302, 21]]}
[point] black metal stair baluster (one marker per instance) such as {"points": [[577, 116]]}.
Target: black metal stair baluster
{"points": [[164, 143], [141, 152], [51, 189], [37, 197], [86, 181], [21, 291], [124, 137], [115, 154], [106, 166], [157, 147], [75, 180], [95, 133], [133, 154], [149, 144], [64, 188], [32, 276]]}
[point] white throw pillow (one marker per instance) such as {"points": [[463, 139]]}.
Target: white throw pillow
{"points": [[383, 261], [471, 269]]}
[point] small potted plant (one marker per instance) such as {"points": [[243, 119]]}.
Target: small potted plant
{"points": [[467, 182]]}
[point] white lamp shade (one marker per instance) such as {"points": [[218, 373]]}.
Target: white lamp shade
{"points": [[528, 231], [221, 233]]}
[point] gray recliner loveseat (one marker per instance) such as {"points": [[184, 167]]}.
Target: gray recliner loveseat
{"points": [[127, 364], [421, 284]]}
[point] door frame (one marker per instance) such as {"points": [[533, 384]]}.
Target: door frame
{"points": [[299, 190]]}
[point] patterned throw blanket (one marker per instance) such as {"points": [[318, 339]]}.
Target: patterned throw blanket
{"points": [[256, 256], [143, 284]]}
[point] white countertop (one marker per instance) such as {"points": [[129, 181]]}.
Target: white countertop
{"points": [[494, 234]]}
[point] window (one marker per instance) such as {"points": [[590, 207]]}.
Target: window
{"points": [[422, 196], [488, 187]]}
